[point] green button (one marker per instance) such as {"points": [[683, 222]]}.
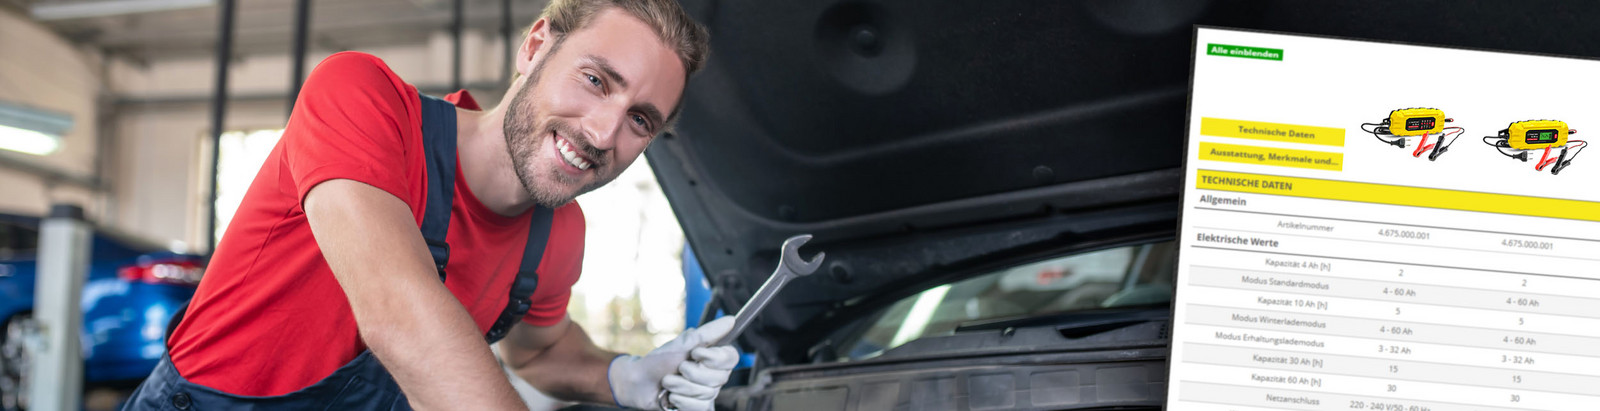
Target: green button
{"points": [[1244, 51]]}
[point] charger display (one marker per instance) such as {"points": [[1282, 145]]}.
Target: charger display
{"points": [[1537, 134], [1419, 122], [1519, 139]]}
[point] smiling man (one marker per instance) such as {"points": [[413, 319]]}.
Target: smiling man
{"points": [[389, 235]]}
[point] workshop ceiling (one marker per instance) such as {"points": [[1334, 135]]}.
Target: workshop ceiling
{"points": [[162, 29]]}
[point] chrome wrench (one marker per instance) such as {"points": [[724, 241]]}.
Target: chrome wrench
{"points": [[790, 266]]}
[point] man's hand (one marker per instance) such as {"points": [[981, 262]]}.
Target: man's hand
{"points": [[690, 372]]}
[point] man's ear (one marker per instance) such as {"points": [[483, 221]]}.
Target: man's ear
{"points": [[533, 47]]}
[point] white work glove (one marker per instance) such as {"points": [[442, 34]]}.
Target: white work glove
{"points": [[690, 372]]}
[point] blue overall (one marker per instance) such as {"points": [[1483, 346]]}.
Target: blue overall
{"points": [[363, 383]]}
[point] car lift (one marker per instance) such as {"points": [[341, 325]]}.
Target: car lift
{"points": [[56, 382]]}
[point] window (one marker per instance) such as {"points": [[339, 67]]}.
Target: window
{"points": [[239, 157]]}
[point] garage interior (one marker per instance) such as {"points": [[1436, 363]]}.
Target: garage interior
{"points": [[137, 78], [125, 110]]}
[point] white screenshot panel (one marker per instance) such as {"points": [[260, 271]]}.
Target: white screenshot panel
{"points": [[1377, 226]]}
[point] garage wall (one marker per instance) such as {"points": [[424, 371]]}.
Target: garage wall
{"points": [[40, 69], [158, 112], [163, 181]]}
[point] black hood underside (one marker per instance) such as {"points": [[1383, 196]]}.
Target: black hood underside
{"points": [[921, 140]]}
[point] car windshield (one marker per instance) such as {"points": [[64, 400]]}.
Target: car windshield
{"points": [[1116, 277]]}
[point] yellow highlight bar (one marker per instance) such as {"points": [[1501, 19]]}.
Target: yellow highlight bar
{"points": [[1256, 130], [1281, 157], [1398, 195]]}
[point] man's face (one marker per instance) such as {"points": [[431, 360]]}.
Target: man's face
{"points": [[590, 106]]}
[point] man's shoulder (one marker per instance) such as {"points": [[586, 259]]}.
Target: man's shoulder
{"points": [[355, 119], [567, 234], [570, 210], [355, 63], [568, 218], [355, 75]]}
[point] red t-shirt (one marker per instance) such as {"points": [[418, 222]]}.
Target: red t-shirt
{"points": [[269, 318]]}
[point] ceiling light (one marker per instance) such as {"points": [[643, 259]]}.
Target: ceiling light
{"points": [[28, 141], [85, 9], [31, 130]]}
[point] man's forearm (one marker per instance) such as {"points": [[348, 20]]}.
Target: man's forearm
{"points": [[430, 346], [409, 320], [571, 368]]}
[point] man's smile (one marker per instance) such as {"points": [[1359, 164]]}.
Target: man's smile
{"points": [[573, 159]]}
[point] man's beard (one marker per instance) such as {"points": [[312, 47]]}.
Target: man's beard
{"points": [[524, 138]]}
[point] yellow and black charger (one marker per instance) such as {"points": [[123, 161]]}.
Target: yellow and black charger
{"points": [[1415, 122], [1522, 137]]}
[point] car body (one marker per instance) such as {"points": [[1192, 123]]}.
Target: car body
{"points": [[998, 160], [132, 289]]}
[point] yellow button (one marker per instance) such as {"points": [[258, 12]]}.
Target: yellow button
{"points": [[1269, 156], [1256, 130]]}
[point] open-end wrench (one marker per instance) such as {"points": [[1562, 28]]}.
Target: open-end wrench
{"points": [[790, 266]]}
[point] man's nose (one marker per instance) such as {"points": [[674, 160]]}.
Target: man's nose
{"points": [[603, 124]]}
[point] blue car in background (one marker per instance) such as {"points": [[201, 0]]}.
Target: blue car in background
{"points": [[133, 288]]}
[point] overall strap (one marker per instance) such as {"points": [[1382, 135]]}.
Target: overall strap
{"points": [[439, 148], [527, 276]]}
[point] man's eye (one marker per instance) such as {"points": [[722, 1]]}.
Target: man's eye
{"points": [[595, 81], [638, 119]]}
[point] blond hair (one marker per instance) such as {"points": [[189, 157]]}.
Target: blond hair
{"points": [[674, 26]]}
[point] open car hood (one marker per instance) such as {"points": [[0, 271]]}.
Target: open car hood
{"points": [[921, 141]]}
